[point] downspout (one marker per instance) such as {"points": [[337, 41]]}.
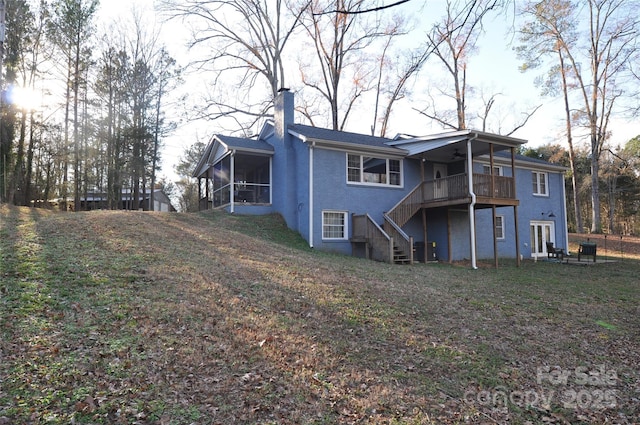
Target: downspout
{"points": [[472, 214], [564, 212], [311, 146], [232, 181]]}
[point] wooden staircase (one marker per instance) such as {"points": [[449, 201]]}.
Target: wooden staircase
{"points": [[387, 245], [399, 256], [397, 217]]}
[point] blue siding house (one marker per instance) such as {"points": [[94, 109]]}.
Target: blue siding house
{"points": [[462, 195]]}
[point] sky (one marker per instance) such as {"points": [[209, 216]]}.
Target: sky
{"points": [[493, 69]]}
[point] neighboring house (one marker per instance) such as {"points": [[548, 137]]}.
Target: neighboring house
{"points": [[98, 201], [383, 198]]}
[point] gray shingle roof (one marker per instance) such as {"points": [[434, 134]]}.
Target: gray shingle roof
{"points": [[518, 157], [316, 133], [523, 158], [244, 143]]}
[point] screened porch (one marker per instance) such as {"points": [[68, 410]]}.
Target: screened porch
{"points": [[236, 178]]}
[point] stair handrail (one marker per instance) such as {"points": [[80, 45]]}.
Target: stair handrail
{"points": [[395, 226], [405, 242], [380, 242], [371, 220], [408, 195]]}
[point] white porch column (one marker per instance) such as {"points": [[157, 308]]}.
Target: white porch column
{"points": [[232, 181], [472, 211]]}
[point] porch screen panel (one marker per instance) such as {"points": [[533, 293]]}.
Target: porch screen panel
{"points": [[221, 176]]}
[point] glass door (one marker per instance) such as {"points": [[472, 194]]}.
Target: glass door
{"points": [[440, 187], [541, 233]]}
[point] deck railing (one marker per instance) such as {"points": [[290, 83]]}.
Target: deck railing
{"points": [[503, 187], [449, 189], [445, 189], [380, 244], [456, 187], [401, 240]]}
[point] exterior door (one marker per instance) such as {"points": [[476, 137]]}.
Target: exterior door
{"points": [[440, 188], [541, 233]]}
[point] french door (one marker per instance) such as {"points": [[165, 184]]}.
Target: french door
{"points": [[541, 233]]}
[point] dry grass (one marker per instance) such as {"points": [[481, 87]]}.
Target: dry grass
{"points": [[120, 317]]}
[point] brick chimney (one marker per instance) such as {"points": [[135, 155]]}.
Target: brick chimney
{"points": [[283, 112]]}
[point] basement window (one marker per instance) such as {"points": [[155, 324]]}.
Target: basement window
{"points": [[334, 225], [499, 227]]}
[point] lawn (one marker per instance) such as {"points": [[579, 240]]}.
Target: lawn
{"points": [[147, 318]]}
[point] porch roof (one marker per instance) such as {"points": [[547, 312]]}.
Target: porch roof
{"points": [[245, 145], [451, 146], [220, 145]]}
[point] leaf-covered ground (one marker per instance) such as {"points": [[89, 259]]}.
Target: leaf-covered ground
{"points": [[129, 317], [615, 246]]}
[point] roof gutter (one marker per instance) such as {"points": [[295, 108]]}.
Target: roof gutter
{"points": [[472, 205]]}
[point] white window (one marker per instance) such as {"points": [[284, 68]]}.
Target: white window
{"points": [[497, 170], [499, 227], [334, 225], [540, 183], [374, 170]]}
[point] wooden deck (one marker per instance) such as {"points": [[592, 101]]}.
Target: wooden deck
{"points": [[389, 242], [490, 190]]}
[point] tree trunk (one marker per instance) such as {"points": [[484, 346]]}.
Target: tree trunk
{"points": [[596, 223], [572, 154], [17, 185], [76, 142], [28, 183]]}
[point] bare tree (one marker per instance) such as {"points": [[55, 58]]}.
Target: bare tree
{"points": [[244, 43], [552, 26], [453, 41], [166, 78], [70, 29], [135, 74], [611, 40], [187, 185], [340, 42], [22, 71], [394, 77]]}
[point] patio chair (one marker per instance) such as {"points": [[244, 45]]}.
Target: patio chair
{"points": [[553, 252]]}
